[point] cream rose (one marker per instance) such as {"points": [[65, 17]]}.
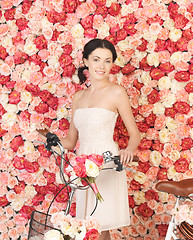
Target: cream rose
{"points": [[169, 100], [103, 30], [139, 197], [175, 57], [53, 235], [28, 147], [158, 108], [174, 155], [153, 59], [172, 174], [9, 118], [169, 24], [171, 123], [175, 34], [77, 30], [140, 177], [26, 97], [164, 83], [30, 48], [62, 113], [51, 87], [30, 191], [155, 158], [92, 169], [164, 135], [145, 78]]}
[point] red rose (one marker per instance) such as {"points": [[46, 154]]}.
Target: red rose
{"points": [[22, 23], [127, 69], [18, 162], [101, 10], [166, 67], [162, 174], [43, 151], [67, 49], [14, 97], [162, 229], [70, 6], [157, 146], [73, 210], [156, 19], [55, 35], [151, 194], [50, 177], [68, 71], [53, 102], [137, 84], [115, 69], [143, 46], [4, 79], [145, 144], [114, 9], [131, 201], [60, 17], [63, 195], [99, 3], [190, 9], [121, 34], [153, 97], [143, 167], [41, 42], [181, 165], [48, 121], [65, 60], [144, 210], [20, 57], [3, 201], [189, 87], [26, 211], [170, 112], [37, 199], [182, 107], [2, 131], [130, 28], [25, 115], [26, 5], [19, 187], [142, 126], [130, 18], [3, 53], [45, 95], [64, 124], [187, 143], [182, 43], [16, 143], [171, 46], [150, 120], [190, 121], [180, 21], [190, 69], [156, 73], [114, 30], [2, 111], [10, 85], [188, 34], [160, 45], [87, 22], [134, 185], [92, 234], [35, 59], [182, 76], [122, 142], [90, 33], [80, 170], [10, 14], [31, 167], [144, 65], [42, 108], [173, 9]]}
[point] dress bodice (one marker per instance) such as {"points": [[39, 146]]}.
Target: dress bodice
{"points": [[95, 127]]}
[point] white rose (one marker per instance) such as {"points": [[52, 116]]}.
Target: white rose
{"points": [[10, 108], [53, 235], [7, 42], [169, 100], [172, 174], [53, 61], [103, 30], [120, 60], [62, 113], [28, 147], [145, 78], [171, 123], [30, 48], [9, 118], [175, 34], [92, 170], [4, 98], [158, 108], [174, 155], [143, 100], [26, 96], [140, 177], [109, 2], [149, 37], [169, 23], [164, 83], [81, 233], [175, 57], [139, 197], [77, 30], [155, 158], [26, 75], [177, 86], [140, 55], [68, 230], [153, 59], [58, 178], [163, 196], [30, 191], [123, 45], [51, 87], [164, 135], [17, 204]]}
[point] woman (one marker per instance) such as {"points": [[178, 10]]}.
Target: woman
{"points": [[94, 114]]}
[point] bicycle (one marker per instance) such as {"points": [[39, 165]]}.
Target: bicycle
{"points": [[39, 221], [183, 190]]}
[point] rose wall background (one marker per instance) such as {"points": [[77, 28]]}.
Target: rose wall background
{"points": [[41, 44]]}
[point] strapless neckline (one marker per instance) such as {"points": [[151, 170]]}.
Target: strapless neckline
{"points": [[96, 108]]}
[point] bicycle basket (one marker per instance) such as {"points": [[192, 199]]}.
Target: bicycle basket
{"points": [[186, 229], [39, 224]]}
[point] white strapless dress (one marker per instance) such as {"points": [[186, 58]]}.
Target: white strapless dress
{"points": [[96, 128]]}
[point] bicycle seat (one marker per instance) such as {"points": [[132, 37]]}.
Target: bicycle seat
{"points": [[181, 188]]}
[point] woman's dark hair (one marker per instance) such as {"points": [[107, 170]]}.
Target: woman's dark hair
{"points": [[89, 48]]}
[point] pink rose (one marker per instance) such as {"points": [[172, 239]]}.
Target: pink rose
{"points": [[64, 124], [3, 201], [3, 53], [43, 151], [181, 165], [22, 23], [40, 42], [26, 211], [33, 89], [80, 170], [31, 167], [19, 187], [14, 97], [97, 159], [18, 162], [92, 234]]}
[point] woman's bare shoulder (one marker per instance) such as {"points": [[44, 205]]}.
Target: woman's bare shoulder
{"points": [[78, 95], [117, 89]]}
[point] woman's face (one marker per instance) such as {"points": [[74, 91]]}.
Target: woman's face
{"points": [[99, 63]]}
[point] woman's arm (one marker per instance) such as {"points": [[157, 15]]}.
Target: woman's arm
{"points": [[124, 109]]}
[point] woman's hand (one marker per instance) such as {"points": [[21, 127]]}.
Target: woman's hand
{"points": [[126, 156], [42, 130]]}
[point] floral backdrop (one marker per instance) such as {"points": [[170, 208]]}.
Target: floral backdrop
{"points": [[41, 44]]}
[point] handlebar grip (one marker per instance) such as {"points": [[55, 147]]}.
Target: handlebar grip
{"points": [[52, 140]]}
